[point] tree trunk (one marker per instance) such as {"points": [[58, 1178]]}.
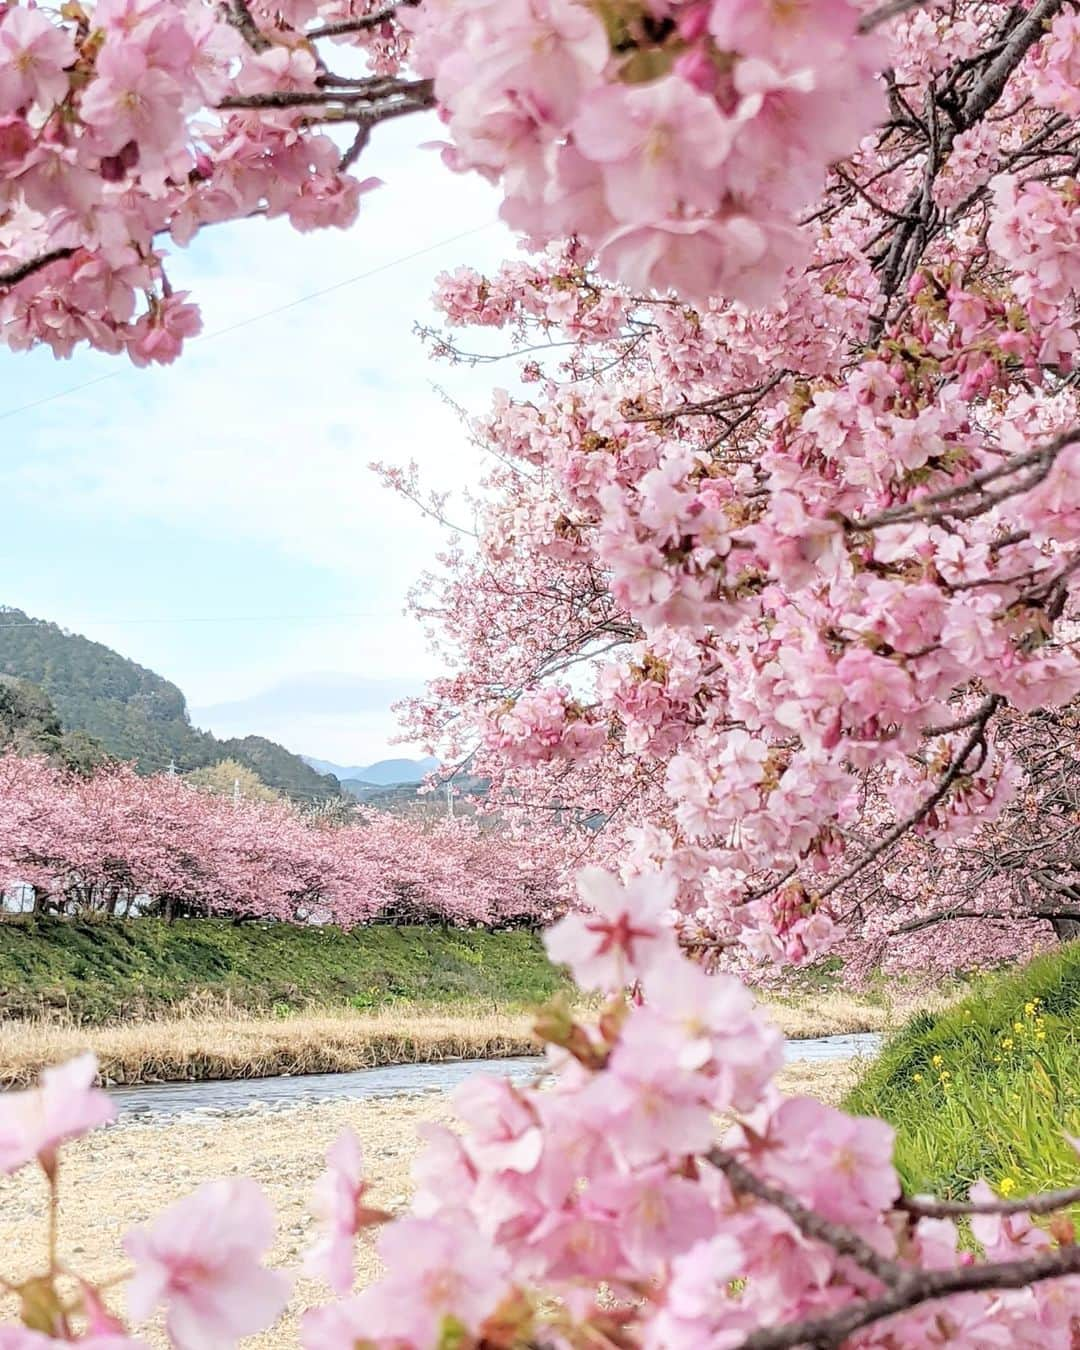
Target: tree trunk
{"points": [[1065, 930]]}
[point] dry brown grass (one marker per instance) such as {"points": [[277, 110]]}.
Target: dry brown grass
{"points": [[837, 1012], [124, 1176], [196, 1044], [194, 1047]]}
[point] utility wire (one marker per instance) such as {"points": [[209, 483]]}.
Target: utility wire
{"points": [[234, 618], [257, 318]]}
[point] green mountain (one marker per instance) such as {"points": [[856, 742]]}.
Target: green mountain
{"points": [[133, 713], [30, 725]]}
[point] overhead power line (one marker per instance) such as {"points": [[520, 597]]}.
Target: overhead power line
{"points": [[226, 618], [257, 318]]}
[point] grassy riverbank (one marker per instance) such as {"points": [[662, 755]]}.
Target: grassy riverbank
{"points": [[113, 971], [201, 999], [989, 1087]]}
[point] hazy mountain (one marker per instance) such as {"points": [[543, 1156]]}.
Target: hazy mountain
{"points": [[383, 773], [134, 713]]}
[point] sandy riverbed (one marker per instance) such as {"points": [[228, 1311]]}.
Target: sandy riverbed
{"points": [[128, 1174]]}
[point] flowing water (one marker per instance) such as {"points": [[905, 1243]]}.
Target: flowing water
{"points": [[221, 1097]]}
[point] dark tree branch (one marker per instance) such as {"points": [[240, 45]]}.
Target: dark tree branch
{"points": [[810, 1224], [947, 915], [912, 233], [238, 16], [924, 1286], [955, 769], [362, 25], [27, 269]]}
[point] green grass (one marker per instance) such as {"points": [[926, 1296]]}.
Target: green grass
{"points": [[972, 1097], [105, 971]]}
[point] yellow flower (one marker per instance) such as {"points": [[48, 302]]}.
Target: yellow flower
{"points": [[945, 1075], [1006, 1185], [1040, 1035], [1018, 1026], [937, 1061], [1006, 1042], [918, 1078], [1029, 1008]]}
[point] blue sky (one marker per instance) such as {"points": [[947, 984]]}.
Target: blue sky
{"points": [[216, 520]]}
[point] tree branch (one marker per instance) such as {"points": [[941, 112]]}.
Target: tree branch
{"points": [[955, 769], [810, 1224], [363, 25], [884, 13], [1047, 1203], [413, 94], [947, 915], [238, 16], [26, 269], [925, 1286], [925, 509]]}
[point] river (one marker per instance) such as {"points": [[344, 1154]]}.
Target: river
{"points": [[228, 1096]]}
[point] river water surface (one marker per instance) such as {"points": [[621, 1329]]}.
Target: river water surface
{"points": [[223, 1096]]}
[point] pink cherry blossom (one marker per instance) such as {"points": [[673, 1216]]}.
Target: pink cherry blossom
{"points": [[201, 1258], [440, 1268], [34, 1123], [626, 931], [34, 53], [338, 1202]]}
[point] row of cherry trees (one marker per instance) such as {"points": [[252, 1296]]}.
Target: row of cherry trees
{"points": [[778, 550], [118, 843]]}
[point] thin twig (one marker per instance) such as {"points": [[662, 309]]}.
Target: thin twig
{"points": [[884, 13], [1047, 1203], [955, 769]]}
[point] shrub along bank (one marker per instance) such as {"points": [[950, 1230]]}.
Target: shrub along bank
{"points": [[988, 1087], [99, 971]]}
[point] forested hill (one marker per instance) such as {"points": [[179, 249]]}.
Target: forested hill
{"points": [[133, 712]]}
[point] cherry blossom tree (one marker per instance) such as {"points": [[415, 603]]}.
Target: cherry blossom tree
{"points": [[765, 584], [775, 550]]}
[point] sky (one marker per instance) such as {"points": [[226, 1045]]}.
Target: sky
{"points": [[216, 520]]}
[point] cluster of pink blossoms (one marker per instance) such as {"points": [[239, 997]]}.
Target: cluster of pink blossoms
{"points": [[801, 556], [656, 1192], [545, 725], [126, 121], [676, 138]]}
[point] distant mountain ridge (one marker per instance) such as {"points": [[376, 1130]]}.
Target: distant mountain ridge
{"points": [[383, 773], [134, 713]]}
